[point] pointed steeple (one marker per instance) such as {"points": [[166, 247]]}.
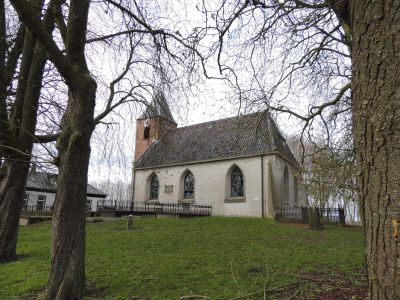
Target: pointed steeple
{"points": [[153, 124], [158, 108]]}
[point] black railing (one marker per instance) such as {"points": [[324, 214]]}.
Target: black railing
{"points": [[292, 214], [114, 205], [331, 215], [37, 211], [128, 207], [181, 209]]}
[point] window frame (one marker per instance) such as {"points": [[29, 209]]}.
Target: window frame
{"points": [[188, 193], [153, 194], [89, 203], [146, 133], [26, 200], [43, 200], [240, 174]]}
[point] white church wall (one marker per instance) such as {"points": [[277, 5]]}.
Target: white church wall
{"points": [[278, 165], [210, 185]]}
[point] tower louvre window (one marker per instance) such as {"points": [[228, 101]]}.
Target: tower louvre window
{"points": [[146, 133]]}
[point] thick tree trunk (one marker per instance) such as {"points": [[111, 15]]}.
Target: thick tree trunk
{"points": [[15, 171], [376, 109], [12, 187], [67, 274]]}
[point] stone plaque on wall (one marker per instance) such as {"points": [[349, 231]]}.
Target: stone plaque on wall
{"points": [[169, 188]]}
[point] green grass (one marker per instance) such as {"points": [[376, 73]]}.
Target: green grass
{"points": [[166, 258]]}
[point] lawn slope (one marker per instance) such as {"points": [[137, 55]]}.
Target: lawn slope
{"points": [[217, 257]]}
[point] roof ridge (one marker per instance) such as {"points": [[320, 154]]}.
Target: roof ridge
{"points": [[224, 119]]}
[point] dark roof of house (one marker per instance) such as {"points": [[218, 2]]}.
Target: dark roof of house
{"points": [[158, 108], [48, 182], [241, 136]]}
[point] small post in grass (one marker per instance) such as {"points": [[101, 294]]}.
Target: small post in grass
{"points": [[130, 222], [314, 218], [342, 217]]}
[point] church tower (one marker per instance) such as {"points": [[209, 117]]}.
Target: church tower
{"points": [[152, 124]]}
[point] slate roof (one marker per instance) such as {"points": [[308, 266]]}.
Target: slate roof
{"points": [[48, 182], [158, 108], [242, 136]]}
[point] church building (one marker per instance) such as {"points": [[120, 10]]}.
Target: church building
{"points": [[242, 165]]}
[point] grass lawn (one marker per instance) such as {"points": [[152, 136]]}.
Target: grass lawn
{"points": [[217, 257]]}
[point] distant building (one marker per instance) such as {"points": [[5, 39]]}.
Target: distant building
{"points": [[242, 166], [40, 192]]}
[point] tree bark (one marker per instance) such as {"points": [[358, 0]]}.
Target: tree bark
{"points": [[14, 172], [12, 187], [376, 110], [67, 274]]}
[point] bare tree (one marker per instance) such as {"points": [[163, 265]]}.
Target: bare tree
{"points": [[67, 274], [328, 173], [318, 41], [18, 118]]}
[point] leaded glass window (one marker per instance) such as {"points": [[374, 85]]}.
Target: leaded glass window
{"points": [[154, 187], [237, 183], [188, 186]]}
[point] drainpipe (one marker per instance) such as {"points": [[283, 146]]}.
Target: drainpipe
{"points": [[133, 185], [262, 187]]}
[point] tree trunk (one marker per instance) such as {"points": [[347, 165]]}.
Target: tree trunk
{"points": [[376, 109], [12, 187], [67, 274], [15, 171]]}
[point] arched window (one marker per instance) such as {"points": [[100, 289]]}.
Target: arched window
{"points": [[296, 190], [285, 187], [154, 187], [237, 183], [188, 186]]}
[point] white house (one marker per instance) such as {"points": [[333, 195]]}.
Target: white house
{"points": [[40, 192], [242, 166]]}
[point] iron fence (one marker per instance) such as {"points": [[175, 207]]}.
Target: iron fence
{"points": [[181, 209], [126, 207], [114, 205], [37, 211], [293, 214]]}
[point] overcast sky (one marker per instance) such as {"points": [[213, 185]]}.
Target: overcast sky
{"points": [[205, 100]]}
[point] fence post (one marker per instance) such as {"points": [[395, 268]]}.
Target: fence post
{"points": [[342, 217], [304, 215]]}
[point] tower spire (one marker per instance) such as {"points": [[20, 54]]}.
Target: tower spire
{"points": [[155, 121], [158, 108]]}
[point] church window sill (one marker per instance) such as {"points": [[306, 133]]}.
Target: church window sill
{"points": [[153, 201], [187, 201], [235, 200]]}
